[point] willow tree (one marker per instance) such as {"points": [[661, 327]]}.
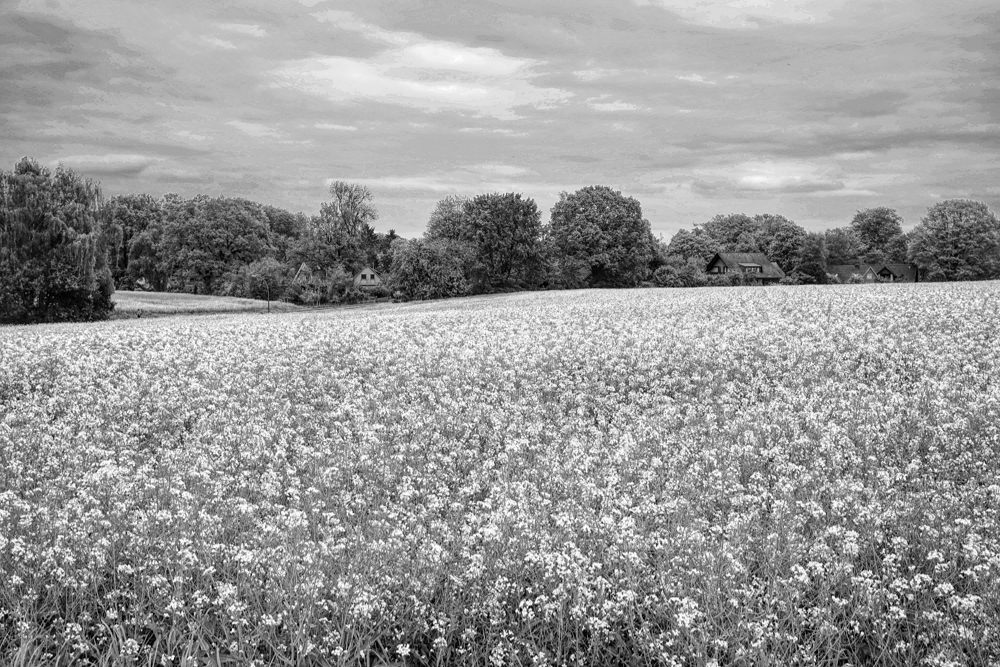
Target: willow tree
{"points": [[53, 246]]}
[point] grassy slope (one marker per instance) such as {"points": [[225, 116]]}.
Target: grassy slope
{"points": [[131, 304]]}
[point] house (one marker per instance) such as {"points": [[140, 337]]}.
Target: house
{"points": [[755, 263], [894, 273], [306, 274], [367, 278]]}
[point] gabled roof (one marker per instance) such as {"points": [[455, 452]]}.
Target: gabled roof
{"points": [[367, 269], [901, 272], [735, 260], [907, 272]]}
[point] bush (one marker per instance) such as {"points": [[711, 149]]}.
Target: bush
{"points": [[429, 269]]}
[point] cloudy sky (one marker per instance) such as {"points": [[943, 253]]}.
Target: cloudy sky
{"points": [[808, 108]]}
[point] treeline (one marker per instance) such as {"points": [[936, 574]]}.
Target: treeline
{"points": [[64, 249], [957, 239]]}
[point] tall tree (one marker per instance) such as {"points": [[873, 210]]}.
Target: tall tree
{"points": [[958, 239], [132, 214], [448, 221], [880, 232], [780, 239], [53, 246], [813, 257], [205, 238], [601, 238], [843, 246], [350, 209], [504, 230], [727, 229], [698, 244], [342, 234]]}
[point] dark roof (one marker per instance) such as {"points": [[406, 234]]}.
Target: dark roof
{"points": [[907, 272], [736, 259], [902, 272]]}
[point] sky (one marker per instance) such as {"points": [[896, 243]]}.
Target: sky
{"points": [[813, 109]]}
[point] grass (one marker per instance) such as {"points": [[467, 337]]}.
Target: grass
{"points": [[724, 476], [144, 304]]}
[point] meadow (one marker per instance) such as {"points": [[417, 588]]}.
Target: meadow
{"points": [[720, 476], [153, 304]]}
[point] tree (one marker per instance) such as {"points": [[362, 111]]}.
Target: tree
{"points": [[205, 238], [448, 221], [727, 230], [350, 210], [780, 239], [53, 246], [813, 259], [601, 238], [132, 215], [842, 246], [693, 244], [504, 231], [286, 227], [879, 232], [341, 235], [958, 239], [429, 268]]}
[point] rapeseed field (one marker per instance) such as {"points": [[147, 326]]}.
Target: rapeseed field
{"points": [[738, 476]]}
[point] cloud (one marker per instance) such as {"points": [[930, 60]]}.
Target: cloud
{"points": [[219, 43], [111, 163], [617, 105], [254, 129], [497, 130], [466, 180], [748, 14], [767, 176], [696, 78], [331, 126], [348, 21], [430, 89], [880, 103], [244, 29], [595, 74], [416, 72], [582, 159]]}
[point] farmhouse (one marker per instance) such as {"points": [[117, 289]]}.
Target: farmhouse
{"points": [[895, 273], [754, 263], [367, 278], [306, 273]]}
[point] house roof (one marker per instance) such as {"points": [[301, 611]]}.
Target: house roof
{"points": [[367, 269], [735, 260], [905, 272]]}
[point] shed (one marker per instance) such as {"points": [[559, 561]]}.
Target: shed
{"points": [[367, 278], [754, 263]]}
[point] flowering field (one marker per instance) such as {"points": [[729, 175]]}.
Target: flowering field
{"points": [[740, 476]]}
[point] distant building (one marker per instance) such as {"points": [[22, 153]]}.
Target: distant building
{"points": [[894, 273], [307, 273], [754, 263], [367, 278]]}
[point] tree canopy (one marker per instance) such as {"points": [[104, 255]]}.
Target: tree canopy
{"points": [[958, 239], [880, 235], [53, 246], [602, 238]]}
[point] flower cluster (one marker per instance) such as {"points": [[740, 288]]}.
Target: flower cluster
{"points": [[725, 476]]}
